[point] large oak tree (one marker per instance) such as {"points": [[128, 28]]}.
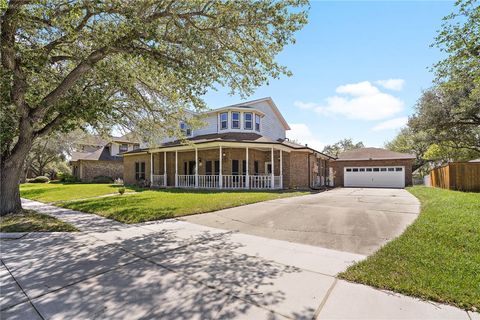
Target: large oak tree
{"points": [[99, 63]]}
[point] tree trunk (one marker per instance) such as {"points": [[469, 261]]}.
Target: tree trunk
{"points": [[9, 189], [11, 168]]}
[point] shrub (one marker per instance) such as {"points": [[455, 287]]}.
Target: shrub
{"points": [[118, 181], [102, 179], [121, 190], [67, 177], [39, 179]]}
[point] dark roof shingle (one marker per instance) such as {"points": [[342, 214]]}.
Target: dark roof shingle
{"points": [[373, 154]]}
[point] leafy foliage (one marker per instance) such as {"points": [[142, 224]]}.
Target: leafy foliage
{"points": [[343, 145], [119, 62], [447, 117], [134, 64]]}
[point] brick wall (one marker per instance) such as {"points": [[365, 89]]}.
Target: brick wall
{"points": [[91, 169], [299, 177], [338, 167], [129, 167]]}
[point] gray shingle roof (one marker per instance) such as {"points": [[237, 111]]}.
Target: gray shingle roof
{"points": [[373, 154], [231, 137], [100, 154]]}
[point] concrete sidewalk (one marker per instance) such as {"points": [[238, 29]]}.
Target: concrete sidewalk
{"points": [[178, 270]]}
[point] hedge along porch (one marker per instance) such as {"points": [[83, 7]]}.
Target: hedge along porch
{"points": [[227, 166]]}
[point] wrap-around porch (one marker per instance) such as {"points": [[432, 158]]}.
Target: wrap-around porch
{"points": [[220, 167]]}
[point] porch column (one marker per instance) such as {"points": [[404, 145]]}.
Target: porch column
{"points": [[281, 170], [273, 169], [196, 168], [247, 177], [220, 175], [176, 168], [151, 169], [165, 168]]}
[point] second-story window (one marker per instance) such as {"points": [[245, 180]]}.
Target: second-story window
{"points": [[136, 146], [235, 120], [248, 122], [185, 129], [123, 148], [223, 120], [257, 122]]}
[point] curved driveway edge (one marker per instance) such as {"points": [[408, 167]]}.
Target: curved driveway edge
{"points": [[357, 220]]}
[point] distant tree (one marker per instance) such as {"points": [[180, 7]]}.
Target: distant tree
{"points": [[111, 62], [48, 152], [444, 115], [446, 123], [450, 111], [444, 154], [343, 145], [408, 141]]}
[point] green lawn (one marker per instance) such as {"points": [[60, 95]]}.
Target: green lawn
{"points": [[52, 192], [437, 257], [31, 221], [163, 204]]}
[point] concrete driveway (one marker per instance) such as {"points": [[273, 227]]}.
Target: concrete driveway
{"points": [[179, 270], [357, 220]]}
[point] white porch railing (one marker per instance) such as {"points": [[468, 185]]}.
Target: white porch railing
{"points": [[233, 182], [186, 181], [229, 182], [208, 181], [159, 180]]}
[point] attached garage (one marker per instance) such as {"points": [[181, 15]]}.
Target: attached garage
{"points": [[375, 177], [373, 168]]}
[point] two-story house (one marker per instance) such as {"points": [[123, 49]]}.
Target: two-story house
{"points": [[242, 146], [95, 157]]}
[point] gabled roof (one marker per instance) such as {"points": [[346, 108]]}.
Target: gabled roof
{"points": [[372, 154], [246, 105], [100, 154]]}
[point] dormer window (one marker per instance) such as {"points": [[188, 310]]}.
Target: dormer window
{"points": [[235, 120], [185, 129], [224, 120], [248, 121], [257, 123], [123, 147]]}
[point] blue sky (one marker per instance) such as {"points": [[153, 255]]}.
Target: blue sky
{"points": [[340, 64]]}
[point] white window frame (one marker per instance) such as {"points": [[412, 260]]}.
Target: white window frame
{"points": [[257, 116], [245, 121], [233, 121], [226, 120]]}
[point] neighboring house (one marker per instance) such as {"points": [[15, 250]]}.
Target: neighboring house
{"points": [[373, 167], [97, 157], [242, 146]]}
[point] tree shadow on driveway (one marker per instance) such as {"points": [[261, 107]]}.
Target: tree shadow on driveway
{"points": [[165, 274]]}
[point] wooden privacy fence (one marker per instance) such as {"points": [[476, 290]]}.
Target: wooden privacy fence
{"points": [[463, 176]]}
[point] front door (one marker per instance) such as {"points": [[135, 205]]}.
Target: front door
{"points": [[191, 167]]}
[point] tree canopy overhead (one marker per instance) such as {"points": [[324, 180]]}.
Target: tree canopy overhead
{"points": [[66, 63]]}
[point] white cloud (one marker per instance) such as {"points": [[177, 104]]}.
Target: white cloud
{"points": [[364, 88], [360, 100], [391, 124], [301, 133], [392, 84]]}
